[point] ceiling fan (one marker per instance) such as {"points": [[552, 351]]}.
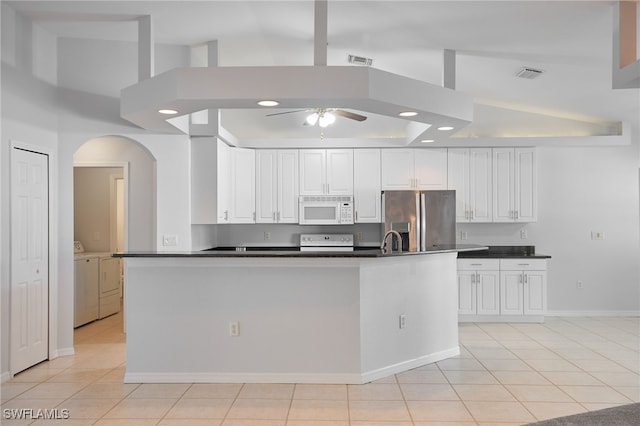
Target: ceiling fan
{"points": [[324, 116]]}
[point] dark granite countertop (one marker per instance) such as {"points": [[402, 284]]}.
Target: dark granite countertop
{"points": [[505, 252], [280, 252]]}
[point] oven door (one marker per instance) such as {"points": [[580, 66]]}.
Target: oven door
{"points": [[319, 213]]}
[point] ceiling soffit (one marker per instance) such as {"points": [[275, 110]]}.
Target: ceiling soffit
{"points": [[188, 90]]}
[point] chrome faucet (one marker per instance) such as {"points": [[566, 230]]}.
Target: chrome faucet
{"points": [[383, 246]]}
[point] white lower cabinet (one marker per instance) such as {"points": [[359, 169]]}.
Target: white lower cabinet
{"points": [[523, 285], [478, 287], [502, 290]]}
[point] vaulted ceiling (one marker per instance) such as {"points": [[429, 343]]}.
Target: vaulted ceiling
{"points": [[570, 41]]}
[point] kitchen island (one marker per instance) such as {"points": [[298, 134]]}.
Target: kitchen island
{"points": [[288, 316]]}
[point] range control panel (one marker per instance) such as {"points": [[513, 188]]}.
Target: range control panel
{"points": [[326, 240]]}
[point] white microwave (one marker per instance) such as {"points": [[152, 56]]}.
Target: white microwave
{"points": [[325, 210]]}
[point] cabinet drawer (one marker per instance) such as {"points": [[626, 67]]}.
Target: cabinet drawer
{"points": [[478, 264], [523, 264]]}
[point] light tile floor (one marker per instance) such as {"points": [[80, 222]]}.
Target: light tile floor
{"points": [[506, 374]]}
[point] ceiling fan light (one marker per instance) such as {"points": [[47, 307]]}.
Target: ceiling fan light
{"points": [[326, 119], [312, 119]]}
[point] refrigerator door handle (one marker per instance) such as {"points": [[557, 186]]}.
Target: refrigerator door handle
{"points": [[423, 222]]}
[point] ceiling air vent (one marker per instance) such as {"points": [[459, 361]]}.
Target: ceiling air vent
{"points": [[360, 60], [529, 73]]}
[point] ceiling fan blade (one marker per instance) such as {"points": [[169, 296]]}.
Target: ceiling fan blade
{"points": [[288, 112], [351, 115]]}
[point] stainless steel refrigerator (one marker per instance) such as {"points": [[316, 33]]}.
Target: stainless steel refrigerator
{"points": [[424, 219]]}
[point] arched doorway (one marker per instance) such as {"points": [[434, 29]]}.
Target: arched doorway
{"points": [[114, 210]]}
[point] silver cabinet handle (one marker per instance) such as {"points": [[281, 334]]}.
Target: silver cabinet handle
{"points": [[356, 215], [525, 278], [473, 278], [226, 215], [477, 278]]}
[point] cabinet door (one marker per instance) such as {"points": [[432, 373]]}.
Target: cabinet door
{"points": [[366, 185], [430, 168], [339, 172], [525, 196], [535, 292], [488, 292], [511, 293], [503, 185], [313, 171], [397, 169], [287, 186], [224, 178], [480, 186], [458, 180], [266, 185], [466, 293], [242, 208]]}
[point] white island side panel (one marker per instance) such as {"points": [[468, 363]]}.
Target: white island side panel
{"points": [[301, 320]]}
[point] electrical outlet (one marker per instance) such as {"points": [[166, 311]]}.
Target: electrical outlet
{"points": [[597, 235], [463, 235], [579, 285], [523, 234], [359, 236], [234, 328], [267, 236], [402, 321], [169, 240]]}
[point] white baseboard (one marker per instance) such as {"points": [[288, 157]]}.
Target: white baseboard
{"points": [[593, 313], [241, 378], [319, 378], [408, 365], [63, 352], [5, 377]]}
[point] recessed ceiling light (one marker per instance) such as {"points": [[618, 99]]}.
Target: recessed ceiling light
{"points": [[445, 128], [167, 111], [268, 103], [427, 140], [408, 114]]}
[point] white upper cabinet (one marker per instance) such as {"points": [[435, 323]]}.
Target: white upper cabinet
{"points": [[430, 168], [277, 186], [326, 171], [406, 168], [367, 185], [470, 174], [242, 186], [514, 185]]}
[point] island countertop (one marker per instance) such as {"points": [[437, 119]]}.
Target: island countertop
{"points": [[280, 252]]}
